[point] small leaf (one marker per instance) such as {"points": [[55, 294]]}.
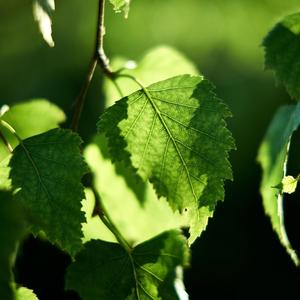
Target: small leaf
{"points": [[23, 293], [174, 134], [42, 12], [148, 272], [46, 171], [273, 155], [282, 53], [121, 6], [289, 184], [157, 64], [30, 118], [10, 233]]}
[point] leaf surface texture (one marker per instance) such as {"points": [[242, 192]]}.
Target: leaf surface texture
{"points": [[46, 171], [174, 134], [110, 273], [273, 156]]}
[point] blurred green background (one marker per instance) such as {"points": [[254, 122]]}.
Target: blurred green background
{"points": [[238, 257]]}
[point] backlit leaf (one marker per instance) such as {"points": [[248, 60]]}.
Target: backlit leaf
{"points": [[46, 171], [147, 272], [23, 293], [273, 156], [174, 134], [157, 64], [42, 12], [30, 118], [151, 216], [121, 6]]}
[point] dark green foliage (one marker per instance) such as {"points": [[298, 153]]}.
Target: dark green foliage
{"points": [[106, 271], [46, 171]]}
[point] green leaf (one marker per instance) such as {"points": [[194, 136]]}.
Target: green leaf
{"points": [[174, 134], [42, 12], [147, 272], [28, 119], [121, 6], [282, 53], [10, 233], [158, 64], [23, 293], [289, 184], [52, 167], [151, 216], [273, 155], [5, 182]]}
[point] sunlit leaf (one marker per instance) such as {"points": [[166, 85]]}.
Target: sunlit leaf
{"points": [[282, 53], [46, 171], [28, 119], [289, 184], [174, 134], [151, 216], [42, 12], [147, 272], [273, 155], [23, 293], [121, 6], [5, 182], [157, 64]]}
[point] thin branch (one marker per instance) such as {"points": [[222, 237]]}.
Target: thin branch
{"points": [[98, 57], [83, 92], [6, 143], [101, 56]]}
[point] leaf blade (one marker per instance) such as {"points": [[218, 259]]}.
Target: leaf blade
{"points": [[272, 156], [53, 166], [30, 118], [42, 12], [172, 149], [282, 48], [149, 271], [121, 6]]}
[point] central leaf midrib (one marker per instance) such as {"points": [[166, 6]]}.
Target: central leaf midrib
{"points": [[157, 111]]}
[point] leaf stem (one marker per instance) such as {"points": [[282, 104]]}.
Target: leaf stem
{"points": [[101, 212], [11, 130], [6, 143]]}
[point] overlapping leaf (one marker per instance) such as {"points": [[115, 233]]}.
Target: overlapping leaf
{"points": [[151, 216], [282, 53], [23, 293], [46, 171], [157, 64], [28, 119], [42, 12], [174, 134], [273, 155], [111, 273], [10, 233], [121, 6]]}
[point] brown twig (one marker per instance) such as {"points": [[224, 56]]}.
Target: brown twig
{"points": [[98, 57]]}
